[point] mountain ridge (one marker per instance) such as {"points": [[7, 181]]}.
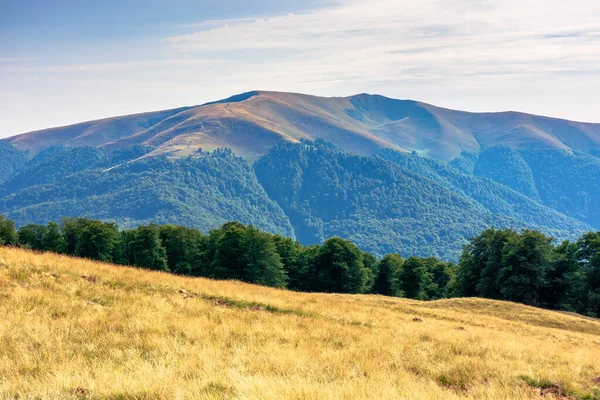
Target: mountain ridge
{"points": [[391, 175], [251, 123]]}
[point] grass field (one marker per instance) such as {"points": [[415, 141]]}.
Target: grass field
{"points": [[72, 328]]}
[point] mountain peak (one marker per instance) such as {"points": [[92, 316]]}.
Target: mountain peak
{"points": [[250, 123]]}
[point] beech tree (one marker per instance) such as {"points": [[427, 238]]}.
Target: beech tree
{"points": [[387, 282], [8, 233]]}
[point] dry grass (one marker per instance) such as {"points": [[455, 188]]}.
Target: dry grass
{"points": [[123, 333]]}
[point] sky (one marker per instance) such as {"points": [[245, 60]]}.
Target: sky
{"points": [[68, 61]]}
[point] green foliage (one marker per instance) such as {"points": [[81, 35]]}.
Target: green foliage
{"points": [[506, 166], [505, 207], [40, 237], [291, 256], [589, 253], [566, 182], [202, 192], [443, 275], [378, 205], [409, 205], [8, 233], [94, 239], [183, 247], [338, 268], [526, 259], [415, 278], [395, 202], [499, 263], [53, 239], [386, 282], [147, 249], [264, 264], [230, 251], [32, 236], [11, 160], [525, 267]]}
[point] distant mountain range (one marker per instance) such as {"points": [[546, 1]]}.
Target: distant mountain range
{"points": [[392, 175], [251, 123]]}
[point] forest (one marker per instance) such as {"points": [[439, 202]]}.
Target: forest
{"points": [[526, 267], [391, 202]]}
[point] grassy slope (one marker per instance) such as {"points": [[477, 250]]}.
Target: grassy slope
{"points": [[252, 123], [74, 328]]}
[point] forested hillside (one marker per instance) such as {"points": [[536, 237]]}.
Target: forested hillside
{"points": [[492, 196], [391, 175], [418, 207], [565, 181], [391, 202], [11, 160], [203, 192]]}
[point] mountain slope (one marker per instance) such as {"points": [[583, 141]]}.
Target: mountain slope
{"points": [[74, 328], [569, 182], [203, 192], [494, 197], [384, 207], [253, 122], [91, 133], [475, 170]]}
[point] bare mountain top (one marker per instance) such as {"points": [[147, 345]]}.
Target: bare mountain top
{"points": [[251, 123]]}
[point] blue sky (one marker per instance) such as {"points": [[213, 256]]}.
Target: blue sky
{"points": [[66, 61]]}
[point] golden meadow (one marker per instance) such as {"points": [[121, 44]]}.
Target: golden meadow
{"points": [[78, 329]]}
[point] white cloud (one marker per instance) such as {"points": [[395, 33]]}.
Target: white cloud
{"points": [[540, 56], [446, 37]]}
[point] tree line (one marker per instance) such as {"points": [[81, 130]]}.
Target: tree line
{"points": [[503, 264]]}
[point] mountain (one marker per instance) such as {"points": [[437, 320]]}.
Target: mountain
{"points": [[203, 192], [567, 181], [391, 175], [251, 123], [394, 206]]}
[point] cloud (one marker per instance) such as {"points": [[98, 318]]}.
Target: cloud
{"points": [[439, 38], [539, 56]]}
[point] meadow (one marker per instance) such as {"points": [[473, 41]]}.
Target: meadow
{"points": [[77, 329]]}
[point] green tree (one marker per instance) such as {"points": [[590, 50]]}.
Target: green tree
{"points": [[123, 253], [53, 239], [442, 275], [32, 236], [71, 228], [372, 267], [339, 268], [8, 233], [526, 260], [386, 282], [589, 254], [564, 282], [262, 262], [147, 248], [290, 253], [307, 277], [480, 264], [183, 246], [95, 239], [229, 252], [414, 278]]}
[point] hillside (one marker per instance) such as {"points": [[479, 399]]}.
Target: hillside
{"points": [[73, 328], [385, 207], [394, 175], [253, 122], [308, 190], [203, 192]]}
